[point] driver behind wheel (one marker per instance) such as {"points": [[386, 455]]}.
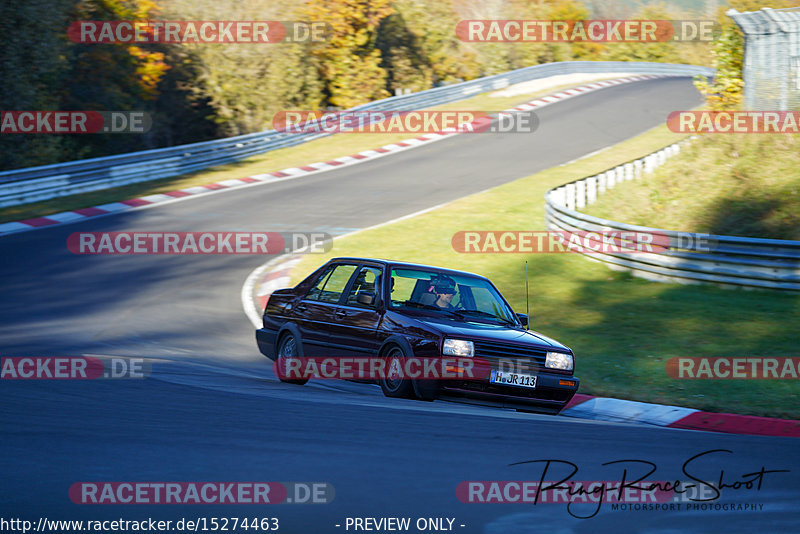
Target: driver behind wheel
{"points": [[444, 288]]}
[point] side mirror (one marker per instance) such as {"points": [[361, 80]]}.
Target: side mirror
{"points": [[523, 318], [367, 299]]}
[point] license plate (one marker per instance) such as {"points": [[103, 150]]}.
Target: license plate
{"points": [[513, 379]]}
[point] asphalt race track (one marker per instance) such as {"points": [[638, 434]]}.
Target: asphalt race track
{"points": [[213, 411]]}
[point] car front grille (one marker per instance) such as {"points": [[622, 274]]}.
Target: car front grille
{"points": [[501, 351], [511, 357]]}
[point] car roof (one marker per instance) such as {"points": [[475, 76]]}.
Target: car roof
{"points": [[407, 265]]}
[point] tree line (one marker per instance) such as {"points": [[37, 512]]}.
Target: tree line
{"points": [[196, 92]]}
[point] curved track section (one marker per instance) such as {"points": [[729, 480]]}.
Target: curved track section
{"points": [[212, 410]]}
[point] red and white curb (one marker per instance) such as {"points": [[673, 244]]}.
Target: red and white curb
{"points": [[68, 217], [583, 89], [277, 273], [624, 411]]}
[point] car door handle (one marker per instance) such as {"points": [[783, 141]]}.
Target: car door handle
{"points": [[340, 313], [301, 307]]}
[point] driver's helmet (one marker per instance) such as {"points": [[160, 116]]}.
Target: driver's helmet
{"points": [[443, 284]]}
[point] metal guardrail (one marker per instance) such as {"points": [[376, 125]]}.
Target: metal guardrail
{"points": [[41, 183], [690, 258], [771, 70]]}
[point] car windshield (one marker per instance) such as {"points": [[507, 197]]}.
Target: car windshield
{"points": [[466, 298]]}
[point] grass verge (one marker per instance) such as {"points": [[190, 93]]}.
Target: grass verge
{"points": [[622, 329], [727, 184], [314, 151]]}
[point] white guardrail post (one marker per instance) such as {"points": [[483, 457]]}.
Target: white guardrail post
{"points": [[30, 185], [690, 258]]}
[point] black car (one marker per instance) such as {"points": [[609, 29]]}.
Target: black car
{"points": [[424, 332]]}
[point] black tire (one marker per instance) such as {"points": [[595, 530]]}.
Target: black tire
{"points": [[287, 349], [395, 386]]}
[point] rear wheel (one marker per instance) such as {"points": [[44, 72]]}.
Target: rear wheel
{"points": [[392, 383], [288, 357]]}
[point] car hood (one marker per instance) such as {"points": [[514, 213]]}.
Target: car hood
{"points": [[492, 332]]}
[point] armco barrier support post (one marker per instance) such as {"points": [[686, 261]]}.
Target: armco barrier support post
{"points": [[591, 189], [580, 194], [628, 171], [561, 196], [570, 196]]}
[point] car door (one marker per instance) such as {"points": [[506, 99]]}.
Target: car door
{"points": [[314, 314], [354, 331]]}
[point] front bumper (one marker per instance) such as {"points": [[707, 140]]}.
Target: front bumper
{"points": [[547, 397]]}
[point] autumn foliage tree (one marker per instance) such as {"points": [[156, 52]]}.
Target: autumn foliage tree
{"points": [[372, 48], [349, 62], [43, 70], [32, 67], [118, 74], [114, 76]]}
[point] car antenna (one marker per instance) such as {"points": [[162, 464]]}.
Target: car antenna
{"points": [[527, 311]]}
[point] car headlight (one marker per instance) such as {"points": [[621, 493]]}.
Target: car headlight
{"points": [[558, 360], [458, 347]]}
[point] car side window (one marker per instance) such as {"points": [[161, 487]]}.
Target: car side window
{"points": [[331, 285], [367, 282], [316, 290], [401, 288]]}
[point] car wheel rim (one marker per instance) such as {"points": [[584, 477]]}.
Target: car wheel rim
{"points": [[394, 368], [288, 353]]}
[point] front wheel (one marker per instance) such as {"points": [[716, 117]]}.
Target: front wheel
{"points": [[287, 360], [392, 382]]}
